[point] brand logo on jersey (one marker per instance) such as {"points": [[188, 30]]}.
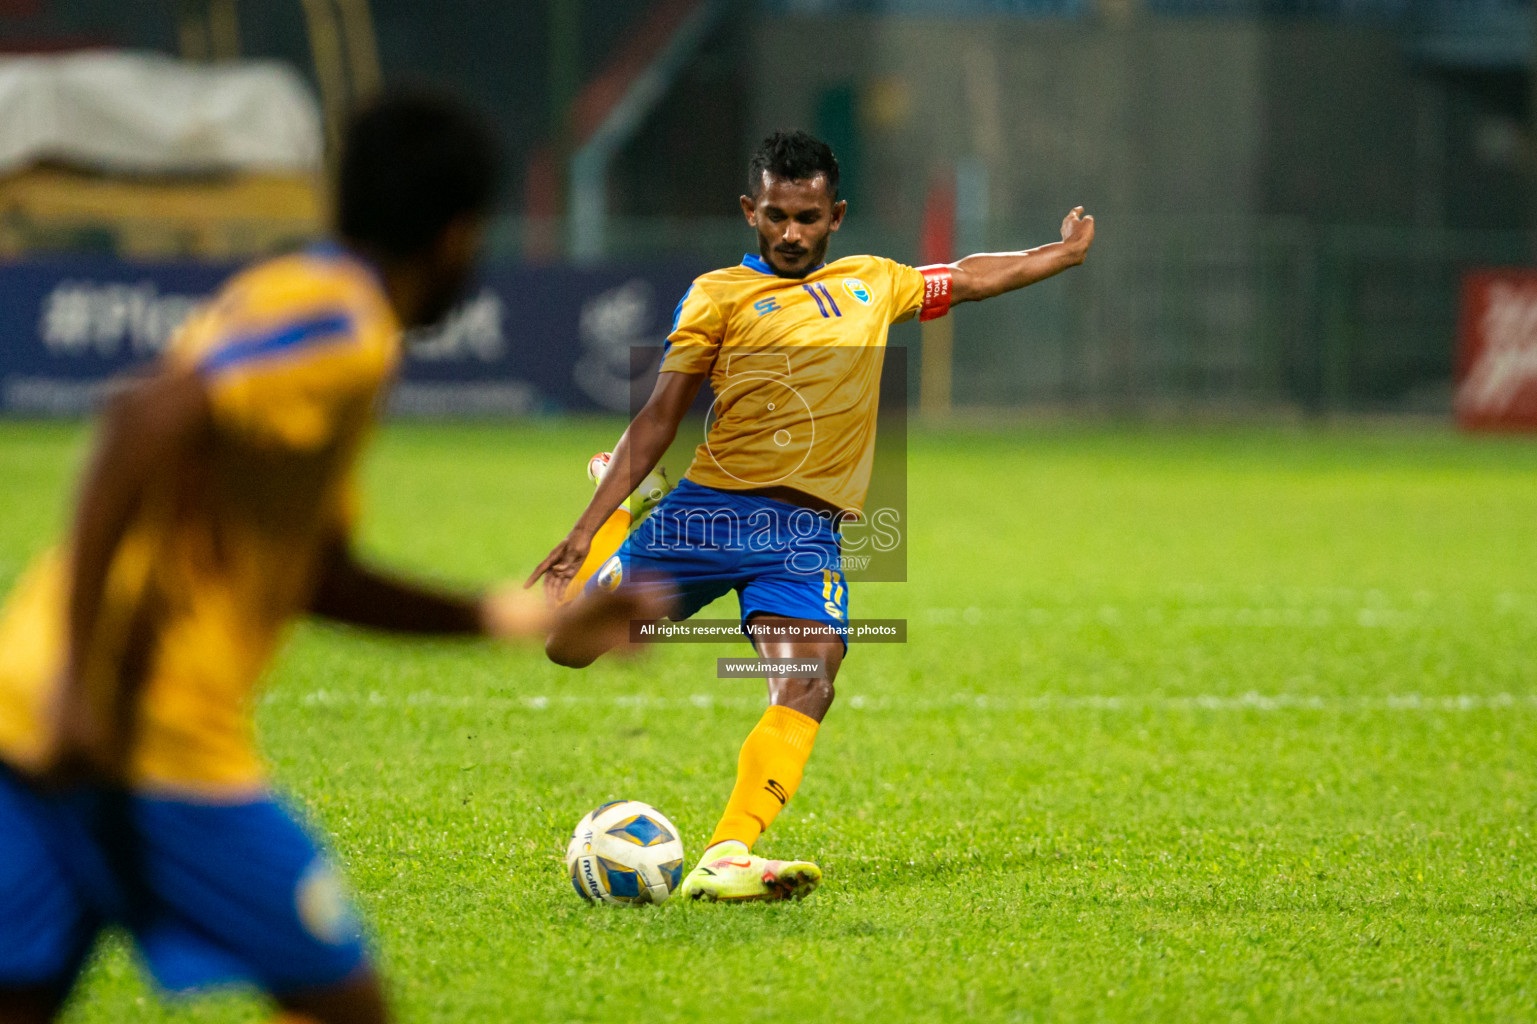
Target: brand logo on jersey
{"points": [[767, 305], [858, 289], [612, 574]]}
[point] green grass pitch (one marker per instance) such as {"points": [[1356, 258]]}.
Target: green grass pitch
{"points": [[1219, 724]]}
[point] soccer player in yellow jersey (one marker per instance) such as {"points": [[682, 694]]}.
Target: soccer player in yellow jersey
{"points": [[792, 346], [220, 505]]}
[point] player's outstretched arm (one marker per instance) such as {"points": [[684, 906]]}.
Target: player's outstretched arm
{"points": [[987, 274], [637, 453], [360, 595], [148, 428]]}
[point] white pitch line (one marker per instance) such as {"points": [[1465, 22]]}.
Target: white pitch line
{"points": [[992, 703]]}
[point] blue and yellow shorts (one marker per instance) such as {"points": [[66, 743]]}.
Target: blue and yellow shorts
{"points": [[701, 542], [211, 893]]}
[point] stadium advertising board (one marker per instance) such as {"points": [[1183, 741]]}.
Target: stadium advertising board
{"points": [[526, 339], [1497, 351]]}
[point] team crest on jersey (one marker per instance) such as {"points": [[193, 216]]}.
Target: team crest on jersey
{"points": [[858, 289], [611, 574]]}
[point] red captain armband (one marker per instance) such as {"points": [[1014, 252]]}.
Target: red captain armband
{"points": [[936, 292]]}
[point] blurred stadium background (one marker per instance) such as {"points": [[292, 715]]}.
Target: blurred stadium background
{"points": [[1289, 192]]}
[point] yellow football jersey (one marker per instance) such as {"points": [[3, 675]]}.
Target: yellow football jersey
{"points": [[795, 364], [223, 551]]}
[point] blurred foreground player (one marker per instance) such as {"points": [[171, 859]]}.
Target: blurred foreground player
{"points": [[219, 506], [793, 348]]}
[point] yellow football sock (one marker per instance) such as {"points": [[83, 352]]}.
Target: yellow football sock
{"points": [[604, 543], [768, 772]]}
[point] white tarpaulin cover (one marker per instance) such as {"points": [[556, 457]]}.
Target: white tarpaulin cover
{"points": [[151, 114]]}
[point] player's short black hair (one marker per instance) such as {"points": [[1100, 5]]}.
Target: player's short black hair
{"points": [[412, 161], [798, 156]]}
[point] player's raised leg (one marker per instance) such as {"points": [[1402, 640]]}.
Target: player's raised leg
{"points": [[594, 623], [357, 1000], [620, 522], [769, 771]]}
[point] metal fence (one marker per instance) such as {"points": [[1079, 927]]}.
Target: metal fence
{"points": [[1246, 316], [1182, 317]]}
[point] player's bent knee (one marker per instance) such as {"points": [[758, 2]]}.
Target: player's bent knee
{"points": [[823, 691], [811, 697], [357, 1000], [568, 654]]}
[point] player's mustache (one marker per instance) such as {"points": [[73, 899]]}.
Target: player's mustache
{"points": [[791, 250]]}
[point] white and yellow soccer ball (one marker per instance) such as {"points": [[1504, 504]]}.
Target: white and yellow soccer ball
{"points": [[625, 852]]}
